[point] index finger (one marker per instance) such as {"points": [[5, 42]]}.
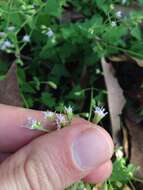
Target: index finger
{"points": [[12, 135]]}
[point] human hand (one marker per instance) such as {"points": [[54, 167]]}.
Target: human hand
{"points": [[32, 160]]}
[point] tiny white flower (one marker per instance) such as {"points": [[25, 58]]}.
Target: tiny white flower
{"points": [[100, 111], [99, 114], [68, 109], [113, 24], [119, 153], [11, 28], [5, 45], [49, 115], [60, 120], [2, 34], [50, 33], [26, 38], [119, 14], [69, 112], [8, 44]]}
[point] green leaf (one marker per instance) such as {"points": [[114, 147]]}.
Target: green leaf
{"points": [[136, 32], [53, 8], [141, 2], [47, 99]]}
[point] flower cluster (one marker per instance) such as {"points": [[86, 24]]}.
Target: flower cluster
{"points": [[6, 45], [33, 124], [99, 114], [26, 38], [60, 120]]}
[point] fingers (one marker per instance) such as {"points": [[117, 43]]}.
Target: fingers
{"points": [[4, 156], [100, 174], [57, 160]]}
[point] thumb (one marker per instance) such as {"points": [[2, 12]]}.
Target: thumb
{"points": [[57, 160]]}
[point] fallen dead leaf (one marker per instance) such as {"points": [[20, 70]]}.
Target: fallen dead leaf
{"points": [[138, 61], [116, 100], [9, 89], [119, 58], [127, 188], [136, 141]]}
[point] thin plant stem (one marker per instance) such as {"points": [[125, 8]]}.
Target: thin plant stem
{"points": [[138, 180], [91, 105], [132, 185], [24, 101]]}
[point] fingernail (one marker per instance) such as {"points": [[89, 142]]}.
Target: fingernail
{"points": [[92, 148]]}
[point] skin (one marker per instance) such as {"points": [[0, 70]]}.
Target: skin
{"points": [[35, 160]]}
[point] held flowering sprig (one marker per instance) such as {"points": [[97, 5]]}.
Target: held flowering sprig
{"points": [[34, 124], [99, 114]]}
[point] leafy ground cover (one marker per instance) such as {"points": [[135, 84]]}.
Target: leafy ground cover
{"points": [[58, 47]]}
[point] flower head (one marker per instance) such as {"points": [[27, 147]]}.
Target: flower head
{"points": [[99, 114], [113, 24], [50, 33], [68, 109], [69, 112], [26, 38], [60, 120], [2, 34], [33, 124], [5, 45], [49, 115], [119, 153], [119, 14]]}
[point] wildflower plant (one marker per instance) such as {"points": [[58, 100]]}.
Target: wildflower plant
{"points": [[57, 46]]}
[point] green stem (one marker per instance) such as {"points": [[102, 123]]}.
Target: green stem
{"points": [[91, 105], [132, 185], [124, 50], [24, 101], [138, 179]]}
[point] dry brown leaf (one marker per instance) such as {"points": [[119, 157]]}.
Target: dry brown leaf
{"points": [[116, 100], [119, 58], [99, 186], [138, 61], [127, 188], [136, 141], [9, 89]]}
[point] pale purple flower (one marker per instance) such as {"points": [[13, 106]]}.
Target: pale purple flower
{"points": [[31, 122], [5, 45], [2, 34], [60, 120], [26, 38]]}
